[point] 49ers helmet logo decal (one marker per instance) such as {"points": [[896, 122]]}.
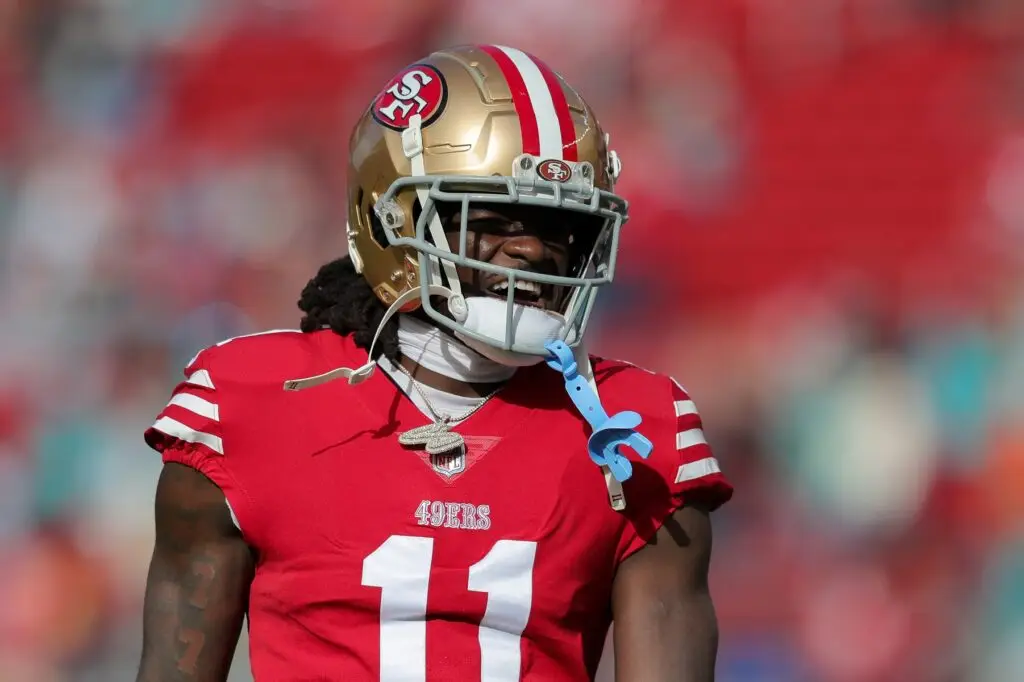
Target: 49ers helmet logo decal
{"points": [[554, 170], [418, 89]]}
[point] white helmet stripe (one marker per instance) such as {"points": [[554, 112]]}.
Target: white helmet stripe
{"points": [[548, 129]]}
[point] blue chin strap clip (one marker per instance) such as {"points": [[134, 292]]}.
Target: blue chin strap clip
{"points": [[608, 433]]}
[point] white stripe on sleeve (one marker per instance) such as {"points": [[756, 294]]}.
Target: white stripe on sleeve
{"points": [[176, 429], [689, 438], [200, 377], [699, 469], [196, 405], [685, 407]]}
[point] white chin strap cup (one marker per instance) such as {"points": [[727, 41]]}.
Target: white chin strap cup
{"points": [[488, 317]]}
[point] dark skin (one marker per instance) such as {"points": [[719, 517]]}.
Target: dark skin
{"points": [[197, 591], [665, 623], [198, 587]]}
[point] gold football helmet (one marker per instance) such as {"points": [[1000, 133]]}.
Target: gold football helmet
{"points": [[472, 125]]}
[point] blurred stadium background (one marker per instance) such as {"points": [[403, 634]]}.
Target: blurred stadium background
{"points": [[828, 201]]}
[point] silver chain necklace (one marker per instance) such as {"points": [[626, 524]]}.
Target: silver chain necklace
{"points": [[438, 437]]}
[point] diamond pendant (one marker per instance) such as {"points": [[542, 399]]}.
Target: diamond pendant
{"points": [[436, 437]]}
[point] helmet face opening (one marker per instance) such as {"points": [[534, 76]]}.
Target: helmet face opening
{"points": [[576, 289]]}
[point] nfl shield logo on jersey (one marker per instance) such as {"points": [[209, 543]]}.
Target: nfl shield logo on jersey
{"points": [[452, 464], [449, 464]]}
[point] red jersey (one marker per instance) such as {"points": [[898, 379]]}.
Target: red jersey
{"points": [[379, 562]]}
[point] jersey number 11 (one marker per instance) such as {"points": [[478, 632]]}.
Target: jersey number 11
{"points": [[401, 568]]}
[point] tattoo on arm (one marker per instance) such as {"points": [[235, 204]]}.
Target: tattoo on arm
{"points": [[206, 571], [198, 586]]}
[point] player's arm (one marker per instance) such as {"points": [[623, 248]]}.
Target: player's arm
{"points": [[198, 586], [665, 624]]}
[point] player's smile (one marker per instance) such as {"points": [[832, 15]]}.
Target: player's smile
{"points": [[517, 239], [527, 293]]}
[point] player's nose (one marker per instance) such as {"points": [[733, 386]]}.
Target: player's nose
{"points": [[524, 247]]}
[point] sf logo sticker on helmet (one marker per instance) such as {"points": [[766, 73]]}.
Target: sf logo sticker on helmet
{"points": [[554, 170], [419, 89]]}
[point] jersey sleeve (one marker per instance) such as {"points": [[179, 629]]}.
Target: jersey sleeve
{"points": [[680, 470], [189, 430]]}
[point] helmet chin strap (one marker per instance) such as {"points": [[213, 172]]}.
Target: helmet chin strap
{"points": [[412, 147], [616, 497], [360, 374]]}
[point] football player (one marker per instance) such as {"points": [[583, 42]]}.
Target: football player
{"points": [[432, 481]]}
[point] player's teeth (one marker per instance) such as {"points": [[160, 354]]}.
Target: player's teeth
{"points": [[531, 287]]}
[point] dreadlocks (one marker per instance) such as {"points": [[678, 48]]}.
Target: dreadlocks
{"points": [[338, 297]]}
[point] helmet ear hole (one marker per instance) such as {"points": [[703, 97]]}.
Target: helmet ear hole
{"points": [[377, 231], [367, 218], [417, 210]]}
